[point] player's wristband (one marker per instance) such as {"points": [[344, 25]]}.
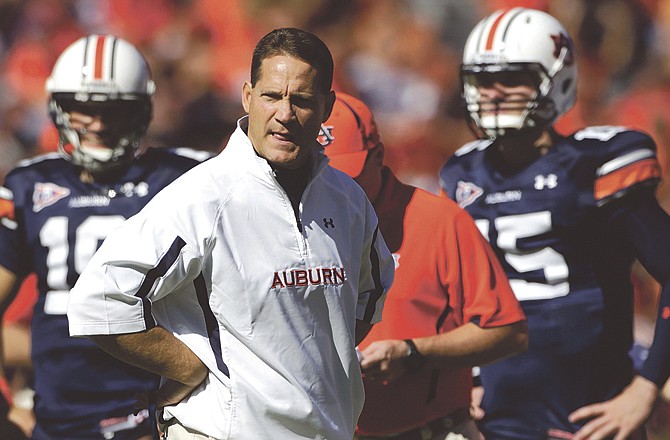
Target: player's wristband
{"points": [[24, 398], [5, 392], [476, 378]]}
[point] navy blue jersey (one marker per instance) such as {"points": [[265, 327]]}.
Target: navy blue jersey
{"points": [[51, 224], [552, 227]]}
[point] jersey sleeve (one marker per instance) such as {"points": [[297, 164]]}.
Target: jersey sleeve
{"points": [[646, 226], [377, 270], [447, 184], [14, 256], [459, 164], [629, 163], [488, 299], [141, 262]]}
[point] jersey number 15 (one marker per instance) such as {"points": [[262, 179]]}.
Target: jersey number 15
{"points": [[554, 269]]}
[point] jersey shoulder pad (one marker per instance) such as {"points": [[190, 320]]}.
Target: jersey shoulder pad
{"points": [[26, 170], [478, 145], [190, 153], [177, 158], [625, 160], [41, 160], [7, 210], [610, 141]]}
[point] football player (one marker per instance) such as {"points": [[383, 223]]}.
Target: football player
{"points": [[566, 215], [56, 209]]}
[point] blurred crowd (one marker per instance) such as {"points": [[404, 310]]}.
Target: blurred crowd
{"points": [[400, 56]]}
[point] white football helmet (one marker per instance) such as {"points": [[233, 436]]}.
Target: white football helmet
{"points": [[525, 46], [107, 76]]}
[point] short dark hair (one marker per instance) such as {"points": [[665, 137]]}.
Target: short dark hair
{"points": [[298, 44]]}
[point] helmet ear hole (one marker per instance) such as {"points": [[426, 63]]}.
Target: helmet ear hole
{"points": [[565, 86]]}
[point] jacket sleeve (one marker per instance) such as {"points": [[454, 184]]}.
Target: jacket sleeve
{"points": [[377, 270], [139, 263]]}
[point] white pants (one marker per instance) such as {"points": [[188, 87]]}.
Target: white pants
{"points": [[176, 431]]}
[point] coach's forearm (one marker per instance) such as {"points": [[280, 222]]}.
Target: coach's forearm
{"points": [[158, 351], [470, 344]]}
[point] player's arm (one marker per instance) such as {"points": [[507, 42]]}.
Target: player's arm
{"points": [[160, 352], [644, 224], [8, 284], [8, 279]]}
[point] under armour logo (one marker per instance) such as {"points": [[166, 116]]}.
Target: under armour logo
{"points": [[549, 181], [328, 223]]}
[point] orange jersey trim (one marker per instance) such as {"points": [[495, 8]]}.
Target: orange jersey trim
{"points": [[625, 177], [6, 209]]}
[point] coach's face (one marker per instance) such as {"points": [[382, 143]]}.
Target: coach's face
{"points": [[286, 108]]}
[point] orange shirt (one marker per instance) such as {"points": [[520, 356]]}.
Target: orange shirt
{"points": [[446, 275]]}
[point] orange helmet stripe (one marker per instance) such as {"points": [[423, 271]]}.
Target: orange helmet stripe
{"points": [[99, 52], [494, 28]]}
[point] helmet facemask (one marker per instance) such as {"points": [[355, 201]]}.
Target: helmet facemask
{"points": [[505, 117], [519, 46], [125, 120]]}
